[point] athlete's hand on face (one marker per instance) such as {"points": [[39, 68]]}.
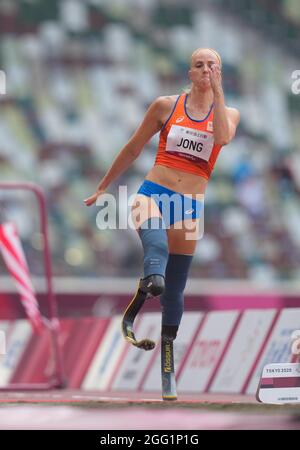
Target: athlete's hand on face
{"points": [[215, 76], [93, 198]]}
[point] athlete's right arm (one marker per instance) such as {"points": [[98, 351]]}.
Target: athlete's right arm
{"points": [[151, 124]]}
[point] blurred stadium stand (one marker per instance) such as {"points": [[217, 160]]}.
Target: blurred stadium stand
{"points": [[80, 75]]}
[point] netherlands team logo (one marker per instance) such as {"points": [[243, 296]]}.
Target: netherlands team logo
{"points": [[210, 126]]}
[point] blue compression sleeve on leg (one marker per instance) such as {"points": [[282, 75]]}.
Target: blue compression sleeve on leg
{"points": [[155, 244], [172, 300]]}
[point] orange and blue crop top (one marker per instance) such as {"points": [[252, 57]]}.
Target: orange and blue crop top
{"points": [[188, 144]]}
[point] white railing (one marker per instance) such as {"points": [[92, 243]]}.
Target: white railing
{"points": [[115, 285]]}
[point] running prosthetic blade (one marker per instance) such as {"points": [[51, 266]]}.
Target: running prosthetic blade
{"points": [[129, 316], [167, 370]]}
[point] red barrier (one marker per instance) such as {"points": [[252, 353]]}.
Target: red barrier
{"points": [[58, 379]]}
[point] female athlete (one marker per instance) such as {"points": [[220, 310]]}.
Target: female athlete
{"points": [[193, 128]]}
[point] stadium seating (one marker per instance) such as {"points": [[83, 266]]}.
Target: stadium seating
{"points": [[80, 76]]}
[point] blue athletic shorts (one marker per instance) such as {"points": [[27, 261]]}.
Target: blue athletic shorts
{"points": [[173, 206]]}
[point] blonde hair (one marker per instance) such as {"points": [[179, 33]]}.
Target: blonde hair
{"points": [[211, 50], [187, 89]]}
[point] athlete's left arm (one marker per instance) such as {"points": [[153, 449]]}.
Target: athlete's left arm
{"points": [[225, 122], [233, 117], [226, 119]]}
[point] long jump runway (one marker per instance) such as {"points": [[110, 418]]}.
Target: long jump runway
{"points": [[90, 410]]}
